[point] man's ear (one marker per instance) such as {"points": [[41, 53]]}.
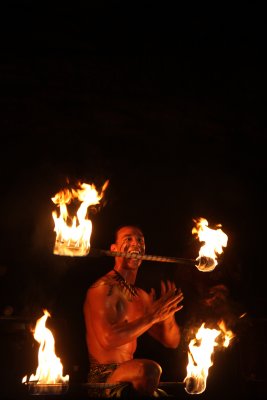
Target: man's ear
{"points": [[113, 247]]}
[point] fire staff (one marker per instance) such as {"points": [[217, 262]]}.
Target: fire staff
{"points": [[117, 312]]}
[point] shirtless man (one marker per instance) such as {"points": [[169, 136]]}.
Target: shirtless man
{"points": [[116, 313]]}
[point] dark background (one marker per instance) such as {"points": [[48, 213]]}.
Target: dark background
{"points": [[167, 104]]}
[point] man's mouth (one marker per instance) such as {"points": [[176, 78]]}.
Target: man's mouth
{"points": [[135, 252]]}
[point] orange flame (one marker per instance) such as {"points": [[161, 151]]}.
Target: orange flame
{"points": [[214, 240], [50, 369], [200, 353], [72, 238]]}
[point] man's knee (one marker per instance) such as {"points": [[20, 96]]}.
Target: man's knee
{"points": [[144, 375], [151, 369], [149, 377]]}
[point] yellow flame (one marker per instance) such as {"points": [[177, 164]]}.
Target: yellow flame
{"points": [[214, 241], [50, 368], [73, 233], [200, 353], [226, 333]]}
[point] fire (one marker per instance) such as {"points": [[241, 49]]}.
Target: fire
{"points": [[50, 369], [214, 240], [73, 233], [200, 353]]}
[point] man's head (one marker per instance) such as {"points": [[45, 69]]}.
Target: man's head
{"points": [[129, 239]]}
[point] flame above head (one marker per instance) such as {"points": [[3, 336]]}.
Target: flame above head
{"points": [[200, 353], [73, 233], [50, 368], [214, 241]]}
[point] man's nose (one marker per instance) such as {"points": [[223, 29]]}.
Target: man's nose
{"points": [[135, 241]]}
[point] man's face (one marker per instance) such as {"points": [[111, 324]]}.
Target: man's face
{"points": [[130, 240]]}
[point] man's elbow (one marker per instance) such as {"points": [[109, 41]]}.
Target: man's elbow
{"points": [[172, 343]]}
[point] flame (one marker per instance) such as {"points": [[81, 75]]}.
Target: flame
{"points": [[200, 353], [50, 369], [214, 240], [73, 233]]}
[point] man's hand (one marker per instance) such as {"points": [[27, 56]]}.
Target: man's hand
{"points": [[168, 303]]}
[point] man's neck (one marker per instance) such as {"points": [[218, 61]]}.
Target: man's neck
{"points": [[128, 274]]}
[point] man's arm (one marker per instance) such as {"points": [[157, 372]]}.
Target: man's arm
{"points": [[107, 319], [167, 332], [104, 311]]}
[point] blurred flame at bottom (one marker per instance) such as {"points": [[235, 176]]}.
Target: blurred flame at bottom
{"points": [[200, 353], [50, 368]]}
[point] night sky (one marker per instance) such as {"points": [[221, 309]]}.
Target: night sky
{"points": [[169, 106]]}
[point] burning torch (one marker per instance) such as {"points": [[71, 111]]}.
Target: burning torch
{"points": [[73, 233]]}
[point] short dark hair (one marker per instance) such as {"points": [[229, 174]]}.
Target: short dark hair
{"points": [[119, 227]]}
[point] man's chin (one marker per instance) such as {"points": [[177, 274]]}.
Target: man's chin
{"points": [[133, 263]]}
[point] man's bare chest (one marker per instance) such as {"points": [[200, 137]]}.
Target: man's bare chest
{"points": [[130, 310]]}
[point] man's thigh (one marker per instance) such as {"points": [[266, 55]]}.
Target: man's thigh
{"points": [[136, 369]]}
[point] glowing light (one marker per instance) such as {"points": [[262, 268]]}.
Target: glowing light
{"points": [[73, 234], [214, 241]]}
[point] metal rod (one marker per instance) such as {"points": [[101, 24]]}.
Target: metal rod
{"points": [[205, 263], [146, 257], [170, 384]]}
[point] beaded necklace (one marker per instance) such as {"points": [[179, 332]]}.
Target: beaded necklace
{"points": [[128, 288]]}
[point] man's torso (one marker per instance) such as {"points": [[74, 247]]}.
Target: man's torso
{"points": [[124, 308]]}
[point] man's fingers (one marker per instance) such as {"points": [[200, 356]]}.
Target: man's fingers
{"points": [[172, 300], [167, 286], [163, 288], [152, 294], [177, 308], [172, 294], [171, 285]]}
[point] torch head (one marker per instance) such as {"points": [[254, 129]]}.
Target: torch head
{"points": [[206, 264], [194, 385]]}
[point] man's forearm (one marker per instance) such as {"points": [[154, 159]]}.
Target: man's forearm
{"points": [[166, 332], [124, 332]]}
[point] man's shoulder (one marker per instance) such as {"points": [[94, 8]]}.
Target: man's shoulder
{"points": [[143, 294], [104, 280]]}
